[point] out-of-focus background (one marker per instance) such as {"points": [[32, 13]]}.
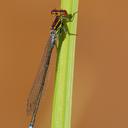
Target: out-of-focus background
{"points": [[101, 69]]}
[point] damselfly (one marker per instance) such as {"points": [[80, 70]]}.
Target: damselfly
{"points": [[58, 29]]}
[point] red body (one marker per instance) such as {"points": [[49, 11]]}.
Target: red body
{"points": [[58, 22]]}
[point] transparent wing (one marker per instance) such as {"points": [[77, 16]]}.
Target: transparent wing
{"points": [[39, 80]]}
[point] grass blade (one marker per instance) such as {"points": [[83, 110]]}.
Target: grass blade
{"points": [[62, 102]]}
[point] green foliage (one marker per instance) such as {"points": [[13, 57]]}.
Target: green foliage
{"points": [[62, 102]]}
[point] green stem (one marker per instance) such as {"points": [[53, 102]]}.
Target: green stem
{"points": [[62, 102]]}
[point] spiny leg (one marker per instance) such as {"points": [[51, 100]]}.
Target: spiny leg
{"points": [[66, 30]]}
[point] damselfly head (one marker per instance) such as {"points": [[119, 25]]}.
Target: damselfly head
{"points": [[59, 12]]}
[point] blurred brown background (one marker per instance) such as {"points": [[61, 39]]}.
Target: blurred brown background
{"points": [[101, 69]]}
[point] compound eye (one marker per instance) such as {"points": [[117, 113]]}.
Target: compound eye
{"points": [[54, 13]]}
